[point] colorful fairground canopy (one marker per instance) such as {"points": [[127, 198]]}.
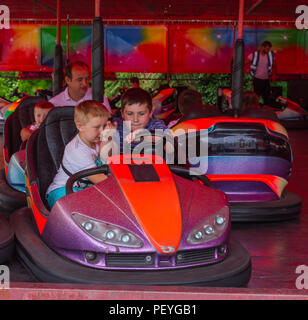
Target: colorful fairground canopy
{"points": [[175, 36]]}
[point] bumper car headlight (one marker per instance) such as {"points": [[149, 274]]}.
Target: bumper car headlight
{"points": [[211, 228], [106, 232]]}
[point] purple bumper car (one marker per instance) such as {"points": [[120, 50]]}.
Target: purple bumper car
{"points": [[145, 224], [248, 158]]}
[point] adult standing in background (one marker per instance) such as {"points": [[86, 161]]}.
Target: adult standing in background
{"points": [[77, 78], [262, 70]]}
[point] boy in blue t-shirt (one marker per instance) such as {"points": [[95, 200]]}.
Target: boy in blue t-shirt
{"points": [[137, 111]]}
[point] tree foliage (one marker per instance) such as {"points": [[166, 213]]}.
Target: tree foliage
{"points": [[9, 81], [206, 84]]}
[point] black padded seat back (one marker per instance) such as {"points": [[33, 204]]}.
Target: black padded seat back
{"points": [[57, 130], [260, 114], [203, 111], [19, 119]]}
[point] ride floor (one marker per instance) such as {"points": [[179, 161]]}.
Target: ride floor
{"points": [[276, 250]]}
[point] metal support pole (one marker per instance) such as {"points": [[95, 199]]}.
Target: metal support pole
{"points": [[58, 58], [238, 66], [168, 53], [67, 38], [58, 40], [241, 19], [97, 55], [254, 7], [97, 8]]}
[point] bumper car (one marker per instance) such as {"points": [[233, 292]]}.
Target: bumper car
{"points": [[143, 225], [289, 113], [165, 101], [11, 107], [6, 239], [249, 158], [12, 177]]}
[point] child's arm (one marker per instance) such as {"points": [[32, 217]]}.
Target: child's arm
{"points": [[97, 178], [25, 134]]}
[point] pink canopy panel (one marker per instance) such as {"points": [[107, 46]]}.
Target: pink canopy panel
{"points": [[164, 48]]}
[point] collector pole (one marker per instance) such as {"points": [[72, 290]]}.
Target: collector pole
{"points": [[58, 58], [97, 55], [238, 65]]}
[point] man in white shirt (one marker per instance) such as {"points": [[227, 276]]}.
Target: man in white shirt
{"points": [[261, 69], [77, 77]]}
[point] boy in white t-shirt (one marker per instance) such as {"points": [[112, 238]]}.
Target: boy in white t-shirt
{"points": [[82, 152]]}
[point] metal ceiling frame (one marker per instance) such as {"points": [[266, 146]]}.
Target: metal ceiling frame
{"points": [[163, 10]]}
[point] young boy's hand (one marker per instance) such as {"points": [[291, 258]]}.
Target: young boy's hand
{"points": [[132, 135], [108, 146], [25, 134], [108, 132]]}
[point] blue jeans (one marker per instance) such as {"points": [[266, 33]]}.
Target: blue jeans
{"points": [[56, 194]]}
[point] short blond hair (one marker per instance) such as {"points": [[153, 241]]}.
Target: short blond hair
{"points": [[88, 109]]}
